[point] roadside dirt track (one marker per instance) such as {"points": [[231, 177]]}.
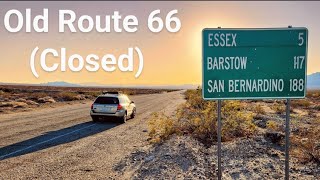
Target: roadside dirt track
{"points": [[63, 142]]}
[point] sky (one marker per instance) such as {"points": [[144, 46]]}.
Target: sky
{"points": [[169, 58]]}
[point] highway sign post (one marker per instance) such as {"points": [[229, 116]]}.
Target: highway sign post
{"points": [[254, 64]]}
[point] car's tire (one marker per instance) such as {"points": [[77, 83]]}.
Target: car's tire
{"points": [[133, 114], [95, 119], [124, 118]]}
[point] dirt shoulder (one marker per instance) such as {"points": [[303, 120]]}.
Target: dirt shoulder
{"points": [[182, 157]]}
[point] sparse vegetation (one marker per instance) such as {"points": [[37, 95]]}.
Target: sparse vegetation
{"points": [[67, 96], [198, 119], [316, 107], [303, 103], [272, 125], [314, 94], [166, 124], [258, 109], [306, 144], [278, 108]]}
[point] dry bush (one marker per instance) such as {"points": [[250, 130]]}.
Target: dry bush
{"points": [[198, 118], [316, 107], [129, 92], [302, 103], [278, 108], [312, 113], [160, 127], [5, 95], [199, 123], [37, 95], [92, 93], [273, 125], [67, 96], [258, 109], [315, 94], [306, 144], [238, 124]]}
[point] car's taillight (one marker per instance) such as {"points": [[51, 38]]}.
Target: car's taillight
{"points": [[119, 107], [91, 106]]}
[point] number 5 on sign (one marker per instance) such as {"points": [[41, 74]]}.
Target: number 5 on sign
{"points": [[301, 39]]}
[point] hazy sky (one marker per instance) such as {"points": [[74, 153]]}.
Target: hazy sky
{"points": [[170, 58]]}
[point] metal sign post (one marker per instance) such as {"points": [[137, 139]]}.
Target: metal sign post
{"points": [[287, 139], [219, 140]]}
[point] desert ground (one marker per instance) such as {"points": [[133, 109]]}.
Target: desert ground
{"points": [[17, 98], [173, 136]]}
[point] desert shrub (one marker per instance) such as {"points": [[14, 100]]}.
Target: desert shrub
{"points": [[272, 125], [303, 103], [92, 93], [67, 96], [198, 118], [231, 106], [199, 123], [258, 109], [129, 92], [160, 127], [312, 113], [5, 95], [36, 95], [238, 124], [7, 90], [306, 145], [313, 94], [316, 107], [278, 108], [188, 94]]}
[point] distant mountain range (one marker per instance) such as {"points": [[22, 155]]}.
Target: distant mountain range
{"points": [[92, 84], [60, 83], [313, 81]]}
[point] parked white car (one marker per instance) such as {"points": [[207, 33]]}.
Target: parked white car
{"points": [[113, 105]]}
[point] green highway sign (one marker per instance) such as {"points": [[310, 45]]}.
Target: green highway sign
{"points": [[254, 63]]}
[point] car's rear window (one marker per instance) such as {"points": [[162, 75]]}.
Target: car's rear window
{"points": [[107, 100]]}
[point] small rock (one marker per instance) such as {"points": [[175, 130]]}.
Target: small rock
{"points": [[276, 176], [274, 154], [18, 104], [260, 123], [270, 165], [5, 104], [304, 140], [21, 100], [80, 97], [30, 102], [149, 158], [46, 99]]}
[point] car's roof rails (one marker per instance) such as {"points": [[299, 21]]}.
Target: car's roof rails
{"points": [[112, 92]]}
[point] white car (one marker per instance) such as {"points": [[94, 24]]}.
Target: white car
{"points": [[113, 104]]}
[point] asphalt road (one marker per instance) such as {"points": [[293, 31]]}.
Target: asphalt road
{"points": [[63, 142]]}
